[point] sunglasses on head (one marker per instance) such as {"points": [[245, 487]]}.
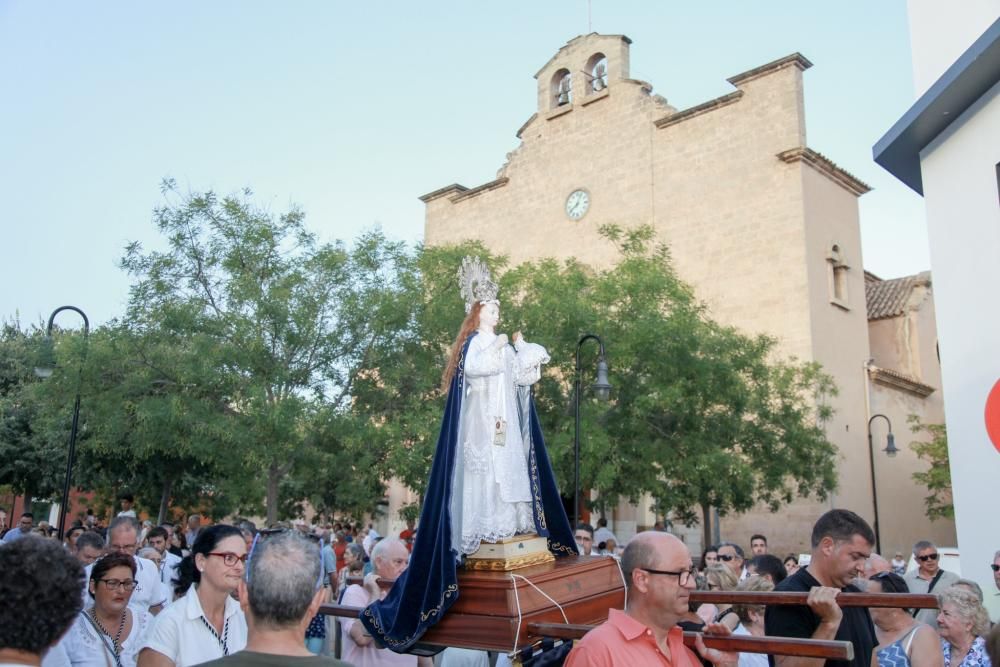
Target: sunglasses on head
{"points": [[924, 559], [891, 582]]}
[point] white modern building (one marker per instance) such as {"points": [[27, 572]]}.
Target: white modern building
{"points": [[947, 148]]}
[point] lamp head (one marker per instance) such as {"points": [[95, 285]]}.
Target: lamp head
{"points": [[601, 386], [45, 363], [890, 445]]}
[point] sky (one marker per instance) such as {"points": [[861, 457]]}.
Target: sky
{"points": [[351, 111]]}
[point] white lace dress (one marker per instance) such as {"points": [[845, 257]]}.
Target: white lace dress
{"points": [[81, 646], [491, 492]]}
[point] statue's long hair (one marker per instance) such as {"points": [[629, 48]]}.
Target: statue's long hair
{"points": [[469, 325]]}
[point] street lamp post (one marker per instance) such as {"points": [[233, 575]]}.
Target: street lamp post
{"points": [[890, 450], [44, 372], [602, 389]]}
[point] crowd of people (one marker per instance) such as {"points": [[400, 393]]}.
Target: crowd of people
{"points": [[135, 594], [186, 594], [660, 575]]}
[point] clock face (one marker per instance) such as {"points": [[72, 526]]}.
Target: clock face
{"points": [[577, 204]]}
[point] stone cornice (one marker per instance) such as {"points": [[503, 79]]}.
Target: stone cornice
{"points": [[485, 187], [446, 190], [899, 381], [528, 122], [796, 59], [699, 109], [827, 167]]}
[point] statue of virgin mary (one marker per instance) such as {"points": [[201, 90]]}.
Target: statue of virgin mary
{"points": [[490, 478]]}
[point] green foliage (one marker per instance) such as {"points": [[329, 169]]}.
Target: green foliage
{"points": [[280, 322], [33, 438], [937, 477], [701, 415], [157, 425]]}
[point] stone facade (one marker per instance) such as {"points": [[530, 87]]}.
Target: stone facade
{"points": [[905, 379], [763, 227]]}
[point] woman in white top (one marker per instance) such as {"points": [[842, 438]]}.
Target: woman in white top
{"points": [[206, 623], [752, 618], [107, 632]]}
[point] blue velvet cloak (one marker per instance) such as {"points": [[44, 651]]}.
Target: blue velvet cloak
{"points": [[429, 586]]}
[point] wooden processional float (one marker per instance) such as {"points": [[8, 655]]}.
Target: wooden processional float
{"points": [[512, 610]]}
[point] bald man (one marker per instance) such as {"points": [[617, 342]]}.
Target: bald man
{"points": [[875, 564], [659, 578]]}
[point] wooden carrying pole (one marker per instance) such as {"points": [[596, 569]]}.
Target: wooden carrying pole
{"points": [[805, 648], [895, 600], [808, 648]]}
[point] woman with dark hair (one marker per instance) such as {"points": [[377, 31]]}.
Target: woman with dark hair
{"points": [[178, 543], [710, 556], [902, 640], [791, 564], [354, 564], [71, 536], [107, 632], [206, 623]]}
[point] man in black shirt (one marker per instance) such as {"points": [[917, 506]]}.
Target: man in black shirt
{"points": [[841, 543]]}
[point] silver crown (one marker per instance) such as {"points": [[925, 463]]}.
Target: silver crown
{"points": [[474, 283]]}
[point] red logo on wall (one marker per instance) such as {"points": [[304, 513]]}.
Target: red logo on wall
{"points": [[993, 415]]}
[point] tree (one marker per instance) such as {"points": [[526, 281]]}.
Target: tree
{"points": [[287, 322], [32, 440], [703, 415], [155, 422], [937, 477]]}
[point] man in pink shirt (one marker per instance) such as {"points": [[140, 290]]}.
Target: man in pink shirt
{"points": [[389, 559], [659, 579]]}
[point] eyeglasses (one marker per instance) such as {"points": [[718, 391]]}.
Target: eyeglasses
{"points": [[683, 576], [726, 557], [229, 558], [924, 559], [114, 584], [124, 548], [995, 567]]}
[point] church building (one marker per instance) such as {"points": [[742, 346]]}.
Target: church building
{"points": [[762, 225]]}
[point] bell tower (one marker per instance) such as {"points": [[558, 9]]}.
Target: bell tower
{"points": [[582, 70]]}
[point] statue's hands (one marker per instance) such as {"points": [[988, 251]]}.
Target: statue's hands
{"points": [[500, 342]]}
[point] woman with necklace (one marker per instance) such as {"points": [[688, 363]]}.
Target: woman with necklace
{"points": [[107, 632], [962, 624], [205, 622], [902, 640]]}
